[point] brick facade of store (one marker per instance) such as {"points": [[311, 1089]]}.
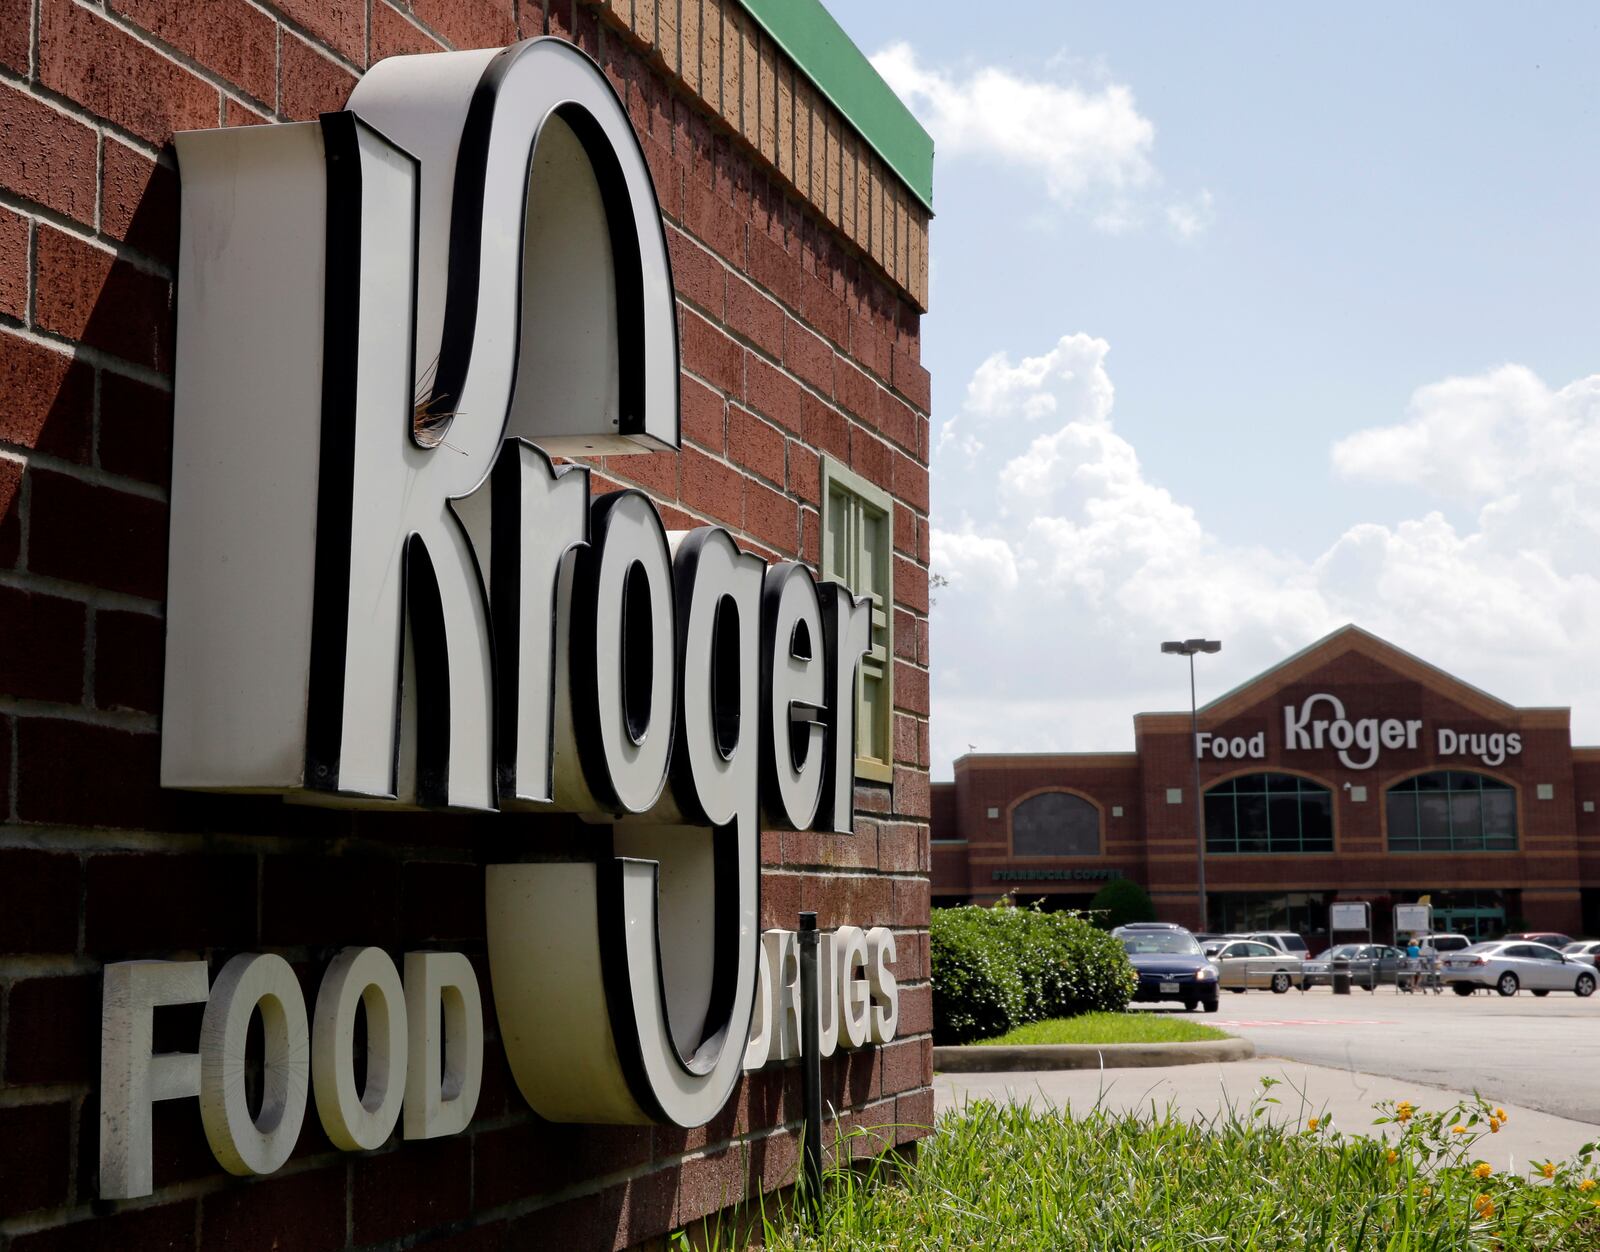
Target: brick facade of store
{"points": [[1551, 880], [801, 267]]}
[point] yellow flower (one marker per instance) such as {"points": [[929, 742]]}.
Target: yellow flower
{"points": [[1426, 1192], [1404, 1110], [1458, 1130], [1501, 1114], [1391, 1156], [1548, 1169], [1482, 1169], [1586, 1185], [1494, 1125], [1484, 1205], [1313, 1123]]}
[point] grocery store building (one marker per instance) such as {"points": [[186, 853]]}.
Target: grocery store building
{"points": [[1351, 771], [259, 988]]}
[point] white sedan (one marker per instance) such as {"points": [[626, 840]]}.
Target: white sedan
{"points": [[1585, 950], [1509, 966]]}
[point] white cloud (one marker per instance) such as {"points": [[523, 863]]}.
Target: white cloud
{"points": [[1068, 564], [1091, 145], [1192, 217]]}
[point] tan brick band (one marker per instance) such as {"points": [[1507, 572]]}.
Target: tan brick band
{"points": [[724, 57]]}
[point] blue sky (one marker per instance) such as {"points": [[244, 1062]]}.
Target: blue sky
{"points": [[1302, 304]]}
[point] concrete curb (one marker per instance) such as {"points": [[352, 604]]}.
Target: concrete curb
{"points": [[978, 1059]]}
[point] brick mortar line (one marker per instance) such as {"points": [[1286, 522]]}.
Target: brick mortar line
{"points": [[97, 598], [85, 473], [156, 43], [90, 841], [90, 355], [43, 93], [828, 402], [841, 350], [138, 723], [291, 24], [24, 1095], [447, 45], [593, 1186], [413, 20], [799, 437]]}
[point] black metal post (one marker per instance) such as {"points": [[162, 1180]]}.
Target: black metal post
{"points": [[810, 1067], [1199, 807]]}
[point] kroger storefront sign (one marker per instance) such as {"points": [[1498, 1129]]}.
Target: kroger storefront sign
{"points": [[384, 593], [1320, 723]]}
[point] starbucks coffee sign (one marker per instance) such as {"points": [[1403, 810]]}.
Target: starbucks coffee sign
{"points": [[385, 594]]}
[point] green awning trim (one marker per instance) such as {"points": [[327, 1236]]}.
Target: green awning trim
{"points": [[838, 69]]}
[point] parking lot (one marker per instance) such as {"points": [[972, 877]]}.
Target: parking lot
{"points": [[1536, 1053]]}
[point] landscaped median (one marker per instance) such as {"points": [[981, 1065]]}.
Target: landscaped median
{"points": [[1019, 989], [1095, 1041]]}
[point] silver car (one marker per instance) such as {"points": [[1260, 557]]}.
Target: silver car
{"points": [[1510, 966], [1369, 964], [1585, 950], [1244, 963]]}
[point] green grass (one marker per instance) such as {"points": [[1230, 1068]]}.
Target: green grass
{"points": [[1017, 1178], [1111, 1028]]}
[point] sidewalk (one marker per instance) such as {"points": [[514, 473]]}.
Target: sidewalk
{"points": [[1202, 1091]]}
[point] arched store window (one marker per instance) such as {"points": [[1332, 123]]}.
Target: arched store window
{"points": [[1055, 823], [1269, 813], [1452, 811]]}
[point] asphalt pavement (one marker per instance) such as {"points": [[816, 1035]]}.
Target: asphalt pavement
{"points": [[1539, 1058], [1538, 1053]]}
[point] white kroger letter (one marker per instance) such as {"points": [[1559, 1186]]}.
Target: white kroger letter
{"points": [[444, 1025], [243, 1144], [847, 634], [884, 989], [852, 987], [132, 1078], [794, 692], [646, 955], [359, 1120], [1366, 738]]}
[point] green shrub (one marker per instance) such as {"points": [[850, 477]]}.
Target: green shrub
{"points": [[998, 968], [1122, 901], [977, 984]]}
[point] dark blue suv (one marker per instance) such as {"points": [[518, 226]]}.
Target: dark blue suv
{"points": [[1170, 964]]}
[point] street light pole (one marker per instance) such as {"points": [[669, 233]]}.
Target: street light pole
{"points": [[1188, 647]]}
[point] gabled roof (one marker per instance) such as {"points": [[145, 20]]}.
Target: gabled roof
{"points": [[1351, 638]]}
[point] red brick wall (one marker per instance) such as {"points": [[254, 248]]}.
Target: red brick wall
{"points": [[796, 341]]}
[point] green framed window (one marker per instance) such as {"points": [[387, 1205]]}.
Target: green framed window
{"points": [[1257, 813], [1452, 811], [858, 551]]}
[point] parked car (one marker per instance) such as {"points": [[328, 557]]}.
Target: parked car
{"points": [[1283, 941], [1550, 938], [1508, 967], [1170, 965], [1245, 963], [1585, 950], [1370, 964], [1444, 942]]}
